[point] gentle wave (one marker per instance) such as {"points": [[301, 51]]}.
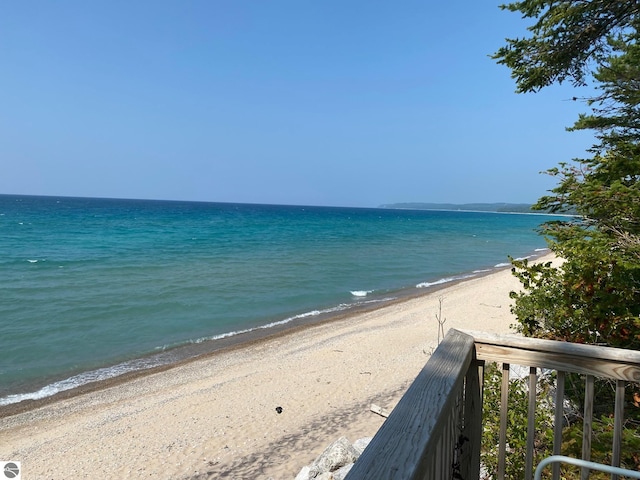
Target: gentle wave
{"points": [[360, 293], [445, 280], [474, 273], [313, 313], [84, 378], [107, 373]]}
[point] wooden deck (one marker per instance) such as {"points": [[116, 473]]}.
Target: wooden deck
{"points": [[435, 431]]}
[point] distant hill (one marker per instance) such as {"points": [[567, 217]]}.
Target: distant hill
{"points": [[475, 207]]}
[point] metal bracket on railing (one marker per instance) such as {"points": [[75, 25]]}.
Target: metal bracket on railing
{"points": [[585, 464]]}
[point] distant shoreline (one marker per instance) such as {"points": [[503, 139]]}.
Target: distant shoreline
{"points": [[496, 207], [474, 211], [518, 208]]}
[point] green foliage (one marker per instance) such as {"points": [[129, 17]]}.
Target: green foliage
{"points": [[602, 441], [566, 39], [590, 299], [517, 424], [594, 297], [602, 425]]}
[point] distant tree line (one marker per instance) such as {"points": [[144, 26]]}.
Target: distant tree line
{"points": [[473, 207]]}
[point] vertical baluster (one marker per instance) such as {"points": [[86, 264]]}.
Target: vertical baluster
{"points": [[446, 444], [438, 460], [587, 425], [471, 441], [531, 423], [430, 469], [559, 419], [431, 475], [504, 400], [481, 380], [617, 426], [456, 427]]}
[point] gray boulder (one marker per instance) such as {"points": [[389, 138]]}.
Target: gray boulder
{"points": [[361, 444], [304, 473], [325, 476], [336, 455], [341, 473]]}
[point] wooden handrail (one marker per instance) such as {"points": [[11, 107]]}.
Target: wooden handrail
{"points": [[418, 441], [589, 360], [616, 363], [435, 430]]}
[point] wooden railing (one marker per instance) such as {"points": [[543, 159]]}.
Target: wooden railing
{"points": [[435, 431]]}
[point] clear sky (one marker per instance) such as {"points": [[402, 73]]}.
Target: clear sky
{"points": [[310, 102]]}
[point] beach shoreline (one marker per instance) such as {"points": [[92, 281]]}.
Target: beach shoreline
{"points": [[215, 416], [42, 391]]}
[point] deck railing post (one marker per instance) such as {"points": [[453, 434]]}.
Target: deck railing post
{"points": [[587, 424], [469, 441], [531, 422], [617, 426], [504, 405], [558, 422]]}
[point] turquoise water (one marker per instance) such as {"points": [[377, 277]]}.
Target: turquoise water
{"points": [[92, 288]]}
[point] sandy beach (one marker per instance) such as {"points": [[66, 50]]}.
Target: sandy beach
{"points": [[215, 417]]}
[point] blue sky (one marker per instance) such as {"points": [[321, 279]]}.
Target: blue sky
{"points": [[326, 102]]}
